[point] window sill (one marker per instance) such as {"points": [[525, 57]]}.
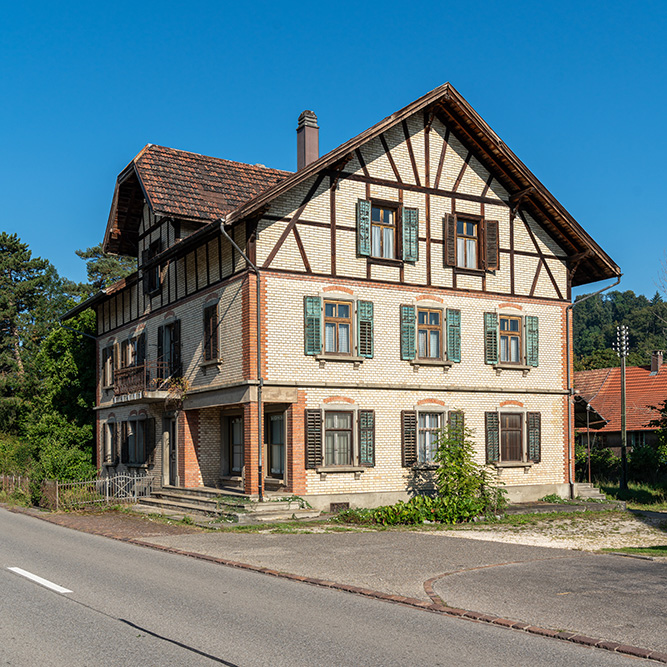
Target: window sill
{"points": [[323, 358], [385, 261], [499, 368], [526, 465], [213, 363], [107, 387], [436, 363], [328, 470], [144, 466], [469, 272]]}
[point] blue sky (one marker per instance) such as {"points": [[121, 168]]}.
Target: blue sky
{"points": [[576, 89]]}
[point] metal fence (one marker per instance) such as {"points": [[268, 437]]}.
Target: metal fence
{"points": [[12, 483], [105, 490]]}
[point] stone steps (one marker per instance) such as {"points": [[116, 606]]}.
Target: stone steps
{"points": [[588, 491]]}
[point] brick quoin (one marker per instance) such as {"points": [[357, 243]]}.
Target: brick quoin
{"points": [[249, 326], [250, 449], [295, 463]]}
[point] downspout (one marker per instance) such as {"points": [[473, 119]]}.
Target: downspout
{"points": [[570, 389], [260, 379]]}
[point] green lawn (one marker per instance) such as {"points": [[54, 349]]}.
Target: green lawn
{"points": [[639, 496], [660, 550]]}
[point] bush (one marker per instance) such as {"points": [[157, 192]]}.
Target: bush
{"points": [[66, 464], [604, 464], [464, 490]]}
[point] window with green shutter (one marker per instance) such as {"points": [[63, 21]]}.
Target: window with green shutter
{"points": [[364, 227], [490, 338], [532, 340], [453, 335], [492, 437], [408, 332], [367, 438], [312, 324], [410, 231], [365, 329], [534, 436]]}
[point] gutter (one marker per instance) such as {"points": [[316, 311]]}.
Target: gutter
{"points": [[260, 379], [570, 389]]}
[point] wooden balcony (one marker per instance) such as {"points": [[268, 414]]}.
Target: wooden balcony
{"points": [[147, 378]]}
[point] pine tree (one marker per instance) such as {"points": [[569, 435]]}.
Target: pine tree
{"points": [[104, 269]]}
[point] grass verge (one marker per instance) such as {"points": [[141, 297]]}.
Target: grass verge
{"points": [[639, 495], [659, 550]]}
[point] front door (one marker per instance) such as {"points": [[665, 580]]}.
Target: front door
{"points": [[171, 432], [275, 438], [235, 446]]}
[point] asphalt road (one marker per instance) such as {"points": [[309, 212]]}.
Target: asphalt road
{"points": [[132, 605]]}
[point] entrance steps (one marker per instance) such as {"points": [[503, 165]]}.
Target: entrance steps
{"points": [[225, 506], [588, 491]]}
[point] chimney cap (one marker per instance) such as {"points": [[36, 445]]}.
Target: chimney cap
{"points": [[307, 119]]}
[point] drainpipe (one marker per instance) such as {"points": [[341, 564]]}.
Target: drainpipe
{"points": [[260, 379], [570, 389]]}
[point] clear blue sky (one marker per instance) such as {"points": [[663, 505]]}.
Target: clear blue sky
{"points": [[577, 89]]}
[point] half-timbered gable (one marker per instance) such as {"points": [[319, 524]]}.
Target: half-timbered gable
{"points": [[313, 332]]}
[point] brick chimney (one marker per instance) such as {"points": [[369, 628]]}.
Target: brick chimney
{"points": [[307, 140], [656, 362]]}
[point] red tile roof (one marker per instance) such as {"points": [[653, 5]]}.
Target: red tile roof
{"points": [[602, 389], [190, 185]]}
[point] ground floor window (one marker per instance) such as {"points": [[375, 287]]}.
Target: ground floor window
{"points": [[236, 445], [513, 437], [275, 431], [429, 432], [337, 438]]}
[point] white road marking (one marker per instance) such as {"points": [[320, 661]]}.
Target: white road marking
{"points": [[39, 580]]}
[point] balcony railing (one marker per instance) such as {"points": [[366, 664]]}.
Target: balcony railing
{"points": [[149, 376]]}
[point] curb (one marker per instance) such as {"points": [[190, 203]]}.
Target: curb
{"points": [[436, 605]]}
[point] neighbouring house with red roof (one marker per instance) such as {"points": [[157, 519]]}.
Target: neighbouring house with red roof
{"points": [[312, 332], [598, 403]]}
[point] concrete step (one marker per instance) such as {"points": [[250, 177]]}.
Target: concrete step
{"points": [[588, 491]]}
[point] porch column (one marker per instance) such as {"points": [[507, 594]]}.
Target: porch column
{"points": [[188, 449], [250, 449]]}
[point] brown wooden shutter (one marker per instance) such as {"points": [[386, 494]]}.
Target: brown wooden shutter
{"points": [[409, 437], [449, 237], [313, 419], [124, 444], [150, 440], [492, 255], [176, 343]]}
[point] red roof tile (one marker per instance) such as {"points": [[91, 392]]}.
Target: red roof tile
{"points": [[189, 185], [602, 389]]}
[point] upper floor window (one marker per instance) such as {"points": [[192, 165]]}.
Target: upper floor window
{"points": [[169, 349], [211, 332], [337, 326], [383, 232], [429, 333], [133, 351], [466, 244], [107, 366], [151, 277], [511, 339]]}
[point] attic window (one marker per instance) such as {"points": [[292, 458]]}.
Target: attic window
{"points": [[151, 276]]}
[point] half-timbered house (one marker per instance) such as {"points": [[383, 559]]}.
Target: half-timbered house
{"points": [[312, 332]]}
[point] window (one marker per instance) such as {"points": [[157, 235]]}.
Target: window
{"points": [[236, 445], [109, 435], [519, 340], [422, 334], [337, 326], [429, 432], [137, 441], [169, 349], [420, 433], [513, 437], [383, 232], [466, 244], [387, 231], [330, 438], [429, 333], [470, 242], [133, 351], [275, 437], [329, 327], [211, 333], [510, 340], [107, 366], [151, 277], [337, 438]]}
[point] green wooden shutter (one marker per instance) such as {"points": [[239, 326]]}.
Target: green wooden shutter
{"points": [[532, 340], [365, 329], [408, 350], [312, 324], [313, 420], [491, 259], [490, 338], [409, 438], [364, 227], [367, 438], [410, 230], [449, 237], [492, 437], [534, 436], [456, 423], [453, 335]]}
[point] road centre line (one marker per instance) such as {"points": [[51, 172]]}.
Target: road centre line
{"points": [[39, 580]]}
